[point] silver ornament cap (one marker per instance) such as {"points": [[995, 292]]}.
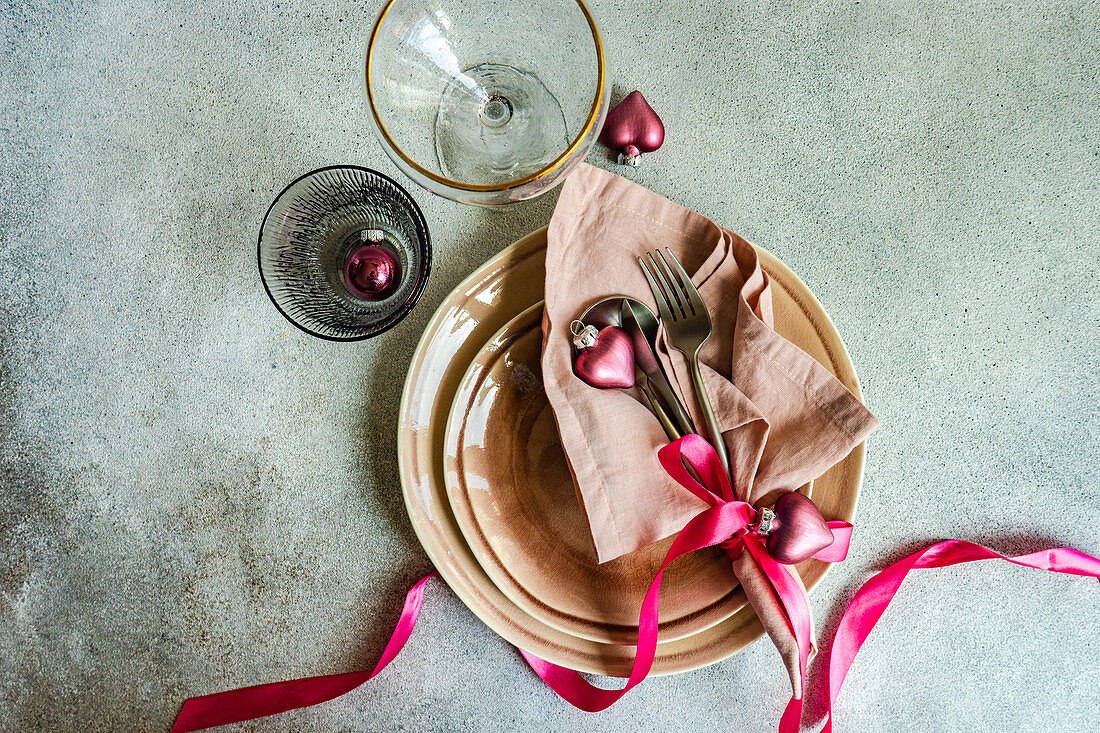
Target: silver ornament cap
{"points": [[764, 522], [583, 335], [629, 159]]}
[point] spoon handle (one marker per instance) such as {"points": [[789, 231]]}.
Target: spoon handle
{"points": [[671, 430], [658, 409]]}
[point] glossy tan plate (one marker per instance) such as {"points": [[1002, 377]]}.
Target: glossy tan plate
{"points": [[498, 291], [512, 493]]}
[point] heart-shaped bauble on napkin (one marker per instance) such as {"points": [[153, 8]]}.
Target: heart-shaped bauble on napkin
{"points": [[608, 361], [798, 530], [632, 128]]}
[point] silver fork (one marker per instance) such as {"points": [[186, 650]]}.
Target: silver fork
{"points": [[688, 326]]}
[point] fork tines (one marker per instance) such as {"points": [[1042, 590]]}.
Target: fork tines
{"points": [[675, 294]]}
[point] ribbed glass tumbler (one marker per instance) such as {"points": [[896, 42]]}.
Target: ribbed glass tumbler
{"points": [[344, 253]]}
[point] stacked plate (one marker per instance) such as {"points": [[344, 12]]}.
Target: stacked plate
{"points": [[492, 500]]}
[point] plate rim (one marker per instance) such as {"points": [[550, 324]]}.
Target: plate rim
{"points": [[582, 659], [456, 424]]}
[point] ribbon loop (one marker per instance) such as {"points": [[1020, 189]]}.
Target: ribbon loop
{"points": [[842, 537], [727, 523], [701, 456]]}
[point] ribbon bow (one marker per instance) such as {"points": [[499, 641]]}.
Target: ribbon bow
{"points": [[734, 526], [779, 531]]}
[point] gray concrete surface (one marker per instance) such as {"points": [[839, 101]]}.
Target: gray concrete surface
{"points": [[196, 496]]}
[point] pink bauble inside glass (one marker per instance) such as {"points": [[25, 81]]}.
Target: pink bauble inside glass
{"points": [[372, 272]]}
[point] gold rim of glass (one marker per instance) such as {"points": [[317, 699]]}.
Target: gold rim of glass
{"points": [[593, 113]]}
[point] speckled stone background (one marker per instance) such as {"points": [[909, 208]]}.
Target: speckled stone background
{"points": [[196, 496]]}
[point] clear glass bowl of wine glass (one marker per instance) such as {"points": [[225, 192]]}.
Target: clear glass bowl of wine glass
{"points": [[486, 102]]}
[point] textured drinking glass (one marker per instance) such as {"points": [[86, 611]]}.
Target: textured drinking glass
{"points": [[486, 101], [344, 253]]}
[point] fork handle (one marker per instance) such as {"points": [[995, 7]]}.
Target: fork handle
{"points": [[708, 416]]}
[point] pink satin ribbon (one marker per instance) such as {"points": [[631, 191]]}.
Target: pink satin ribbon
{"points": [[726, 522], [259, 701], [872, 598]]}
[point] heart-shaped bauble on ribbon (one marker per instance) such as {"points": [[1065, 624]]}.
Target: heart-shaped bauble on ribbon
{"points": [[632, 128], [798, 530], [608, 360]]}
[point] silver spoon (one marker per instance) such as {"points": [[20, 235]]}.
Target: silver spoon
{"points": [[630, 314]]}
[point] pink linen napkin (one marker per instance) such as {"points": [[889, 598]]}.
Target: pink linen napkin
{"points": [[785, 419]]}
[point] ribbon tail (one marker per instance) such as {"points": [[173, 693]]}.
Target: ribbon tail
{"points": [[246, 703], [791, 722], [706, 529], [873, 597]]}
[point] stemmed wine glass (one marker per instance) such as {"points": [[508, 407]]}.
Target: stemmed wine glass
{"points": [[486, 101]]}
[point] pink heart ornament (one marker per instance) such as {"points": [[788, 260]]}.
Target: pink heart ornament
{"points": [[798, 530], [633, 128], [609, 361]]}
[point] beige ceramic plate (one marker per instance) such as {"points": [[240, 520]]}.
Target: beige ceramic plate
{"points": [[498, 291], [513, 495]]}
